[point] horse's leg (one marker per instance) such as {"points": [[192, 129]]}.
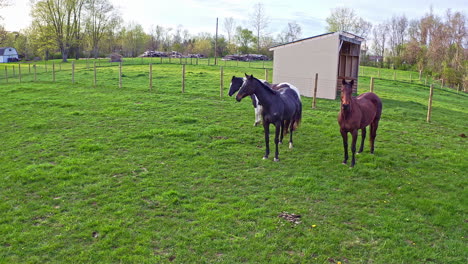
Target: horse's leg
{"points": [[363, 137], [291, 126], [354, 134], [277, 133], [282, 132], [344, 135], [373, 134], [266, 128]]}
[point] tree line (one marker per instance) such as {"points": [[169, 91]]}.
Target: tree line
{"points": [[432, 44], [94, 28]]}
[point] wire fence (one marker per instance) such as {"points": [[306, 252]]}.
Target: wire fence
{"points": [[409, 77], [96, 72]]}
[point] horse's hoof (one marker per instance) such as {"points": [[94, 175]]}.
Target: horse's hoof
{"points": [[290, 145], [344, 163], [276, 160], [280, 142], [265, 157]]}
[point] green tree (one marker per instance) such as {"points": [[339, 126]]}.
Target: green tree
{"points": [[245, 39], [63, 19], [133, 39]]}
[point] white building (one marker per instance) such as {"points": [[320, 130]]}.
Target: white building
{"points": [[334, 56], [8, 54]]}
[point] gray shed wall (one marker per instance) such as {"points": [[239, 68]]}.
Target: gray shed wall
{"points": [[297, 63]]}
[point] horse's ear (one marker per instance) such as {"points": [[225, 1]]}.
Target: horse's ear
{"points": [[246, 75], [343, 82]]}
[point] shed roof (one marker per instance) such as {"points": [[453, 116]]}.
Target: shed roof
{"points": [[343, 35], [2, 50]]}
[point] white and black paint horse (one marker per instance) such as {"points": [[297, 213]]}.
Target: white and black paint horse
{"points": [[281, 107], [236, 83]]}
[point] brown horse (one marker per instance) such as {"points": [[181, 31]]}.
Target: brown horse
{"points": [[357, 113]]}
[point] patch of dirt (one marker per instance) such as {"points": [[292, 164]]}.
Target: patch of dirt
{"points": [[292, 218], [462, 135]]}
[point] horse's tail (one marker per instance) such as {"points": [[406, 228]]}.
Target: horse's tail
{"points": [[295, 121], [297, 117]]}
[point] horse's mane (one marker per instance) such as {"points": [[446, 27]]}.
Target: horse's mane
{"points": [[266, 87]]}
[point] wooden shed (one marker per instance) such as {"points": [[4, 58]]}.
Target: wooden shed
{"points": [[333, 56], [8, 54]]}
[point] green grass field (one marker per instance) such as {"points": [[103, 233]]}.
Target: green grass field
{"points": [[106, 174]]}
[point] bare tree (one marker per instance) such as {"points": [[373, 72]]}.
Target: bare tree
{"points": [[398, 30], [101, 17], [291, 33], [379, 39], [345, 19], [230, 27], [259, 21]]}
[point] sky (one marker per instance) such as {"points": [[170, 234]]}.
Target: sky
{"points": [[199, 16]]}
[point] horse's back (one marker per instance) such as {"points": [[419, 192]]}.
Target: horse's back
{"points": [[292, 102], [279, 86]]}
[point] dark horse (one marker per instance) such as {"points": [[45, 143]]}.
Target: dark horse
{"points": [[283, 108], [357, 113], [236, 83]]}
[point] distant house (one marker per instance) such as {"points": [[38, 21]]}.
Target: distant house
{"points": [[334, 56], [8, 54], [375, 58]]}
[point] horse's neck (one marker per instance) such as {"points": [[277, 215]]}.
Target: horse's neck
{"points": [[264, 96]]}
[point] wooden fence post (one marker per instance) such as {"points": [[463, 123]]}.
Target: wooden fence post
{"points": [[73, 72], [429, 106], [425, 82], [183, 78], [19, 72], [6, 74], [151, 76], [411, 77], [53, 71], [29, 65], [420, 75], [120, 74], [314, 102], [372, 84], [221, 87], [95, 75], [266, 74], [14, 71], [394, 75], [35, 71]]}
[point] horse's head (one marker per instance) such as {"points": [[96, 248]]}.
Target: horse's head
{"points": [[236, 83], [247, 88], [346, 94]]}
